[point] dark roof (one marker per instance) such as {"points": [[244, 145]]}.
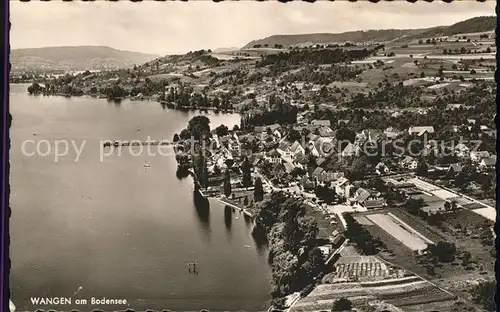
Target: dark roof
{"points": [[376, 203], [361, 195], [273, 153]]}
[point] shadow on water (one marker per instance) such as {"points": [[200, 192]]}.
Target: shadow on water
{"points": [[228, 217], [248, 221], [260, 239], [202, 206], [182, 173]]}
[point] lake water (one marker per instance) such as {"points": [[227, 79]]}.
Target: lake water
{"points": [[115, 228]]}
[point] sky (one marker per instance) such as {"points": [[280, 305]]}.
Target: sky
{"points": [[178, 27]]}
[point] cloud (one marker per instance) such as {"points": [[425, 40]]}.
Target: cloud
{"points": [[169, 27]]}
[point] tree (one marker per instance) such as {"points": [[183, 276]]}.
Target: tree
{"points": [[443, 251], [422, 168], [294, 135], [414, 205], [342, 304], [484, 294], [358, 168], [245, 201], [466, 257], [258, 190], [176, 138], [447, 205], [422, 75], [198, 127], [221, 130], [430, 270], [247, 176], [227, 184]]}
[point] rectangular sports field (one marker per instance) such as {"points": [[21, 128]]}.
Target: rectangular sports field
{"points": [[400, 231]]}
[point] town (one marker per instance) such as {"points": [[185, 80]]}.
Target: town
{"points": [[368, 166]]}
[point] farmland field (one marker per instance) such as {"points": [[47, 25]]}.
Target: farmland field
{"points": [[489, 213]]}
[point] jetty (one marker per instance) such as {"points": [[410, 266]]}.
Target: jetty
{"points": [[243, 210], [117, 143]]}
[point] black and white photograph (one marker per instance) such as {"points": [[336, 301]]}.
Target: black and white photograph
{"points": [[252, 156]]}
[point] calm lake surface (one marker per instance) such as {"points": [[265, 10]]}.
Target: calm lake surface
{"points": [[115, 228]]}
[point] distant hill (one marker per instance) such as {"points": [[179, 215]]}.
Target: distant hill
{"points": [[351, 36], [472, 25], [476, 24], [225, 50], [75, 58]]}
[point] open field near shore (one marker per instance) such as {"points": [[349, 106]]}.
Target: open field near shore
{"points": [[400, 292], [402, 232]]}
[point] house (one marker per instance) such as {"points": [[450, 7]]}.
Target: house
{"points": [[351, 150], [367, 199], [320, 161], [409, 162], [381, 168], [396, 114], [300, 160], [349, 190], [279, 133], [340, 186], [455, 168], [453, 106], [322, 146], [260, 129], [324, 176], [319, 122], [375, 135], [307, 184], [370, 135], [296, 149], [278, 171], [392, 133], [273, 156], [283, 148], [477, 156], [421, 130], [337, 241], [359, 196], [326, 131], [489, 132], [471, 121], [374, 203], [461, 150], [343, 121], [317, 173], [488, 162]]}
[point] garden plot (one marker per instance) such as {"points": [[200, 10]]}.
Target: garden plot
{"points": [[424, 186], [444, 194], [400, 231], [363, 220], [324, 296], [489, 213], [438, 86]]}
